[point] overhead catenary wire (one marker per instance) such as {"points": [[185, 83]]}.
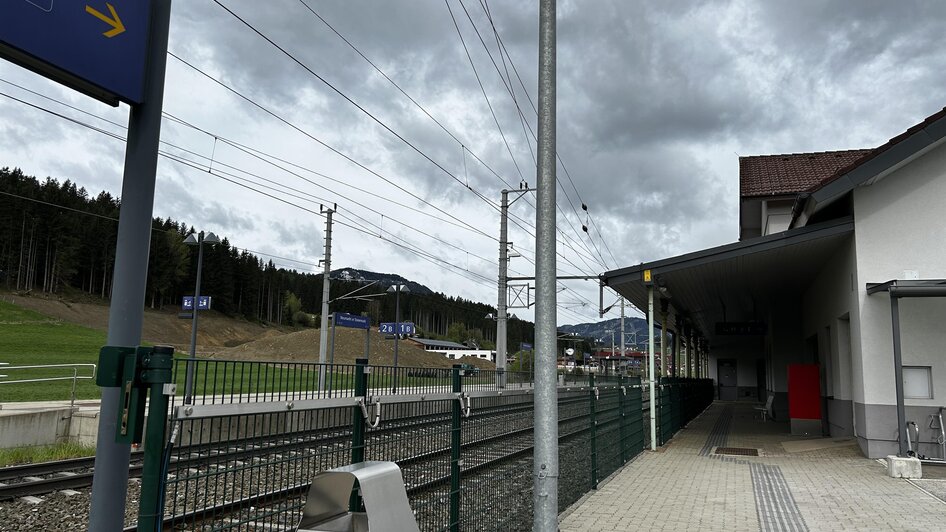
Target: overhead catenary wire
{"points": [[364, 167], [485, 6], [98, 129], [482, 279], [178, 120], [329, 147], [352, 102], [511, 92]]}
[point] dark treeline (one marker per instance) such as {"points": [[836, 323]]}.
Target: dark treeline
{"points": [[47, 248]]}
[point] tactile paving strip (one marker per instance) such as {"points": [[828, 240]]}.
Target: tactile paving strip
{"points": [[774, 502]]}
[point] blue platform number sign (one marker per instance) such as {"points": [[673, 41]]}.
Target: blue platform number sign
{"points": [[97, 47], [390, 328], [203, 303], [350, 320]]}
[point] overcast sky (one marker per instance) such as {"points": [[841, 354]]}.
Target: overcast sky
{"points": [[656, 101]]}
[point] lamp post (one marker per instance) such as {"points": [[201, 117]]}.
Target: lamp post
{"points": [[397, 289], [198, 241]]}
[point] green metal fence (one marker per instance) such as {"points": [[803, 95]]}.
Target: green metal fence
{"points": [[243, 454], [679, 401]]}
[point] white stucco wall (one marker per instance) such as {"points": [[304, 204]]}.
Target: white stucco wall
{"points": [[899, 225], [831, 296], [776, 216]]}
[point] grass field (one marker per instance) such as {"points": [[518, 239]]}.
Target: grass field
{"points": [[44, 453], [28, 338]]}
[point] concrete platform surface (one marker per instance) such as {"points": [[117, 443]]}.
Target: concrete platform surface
{"points": [[688, 486]]}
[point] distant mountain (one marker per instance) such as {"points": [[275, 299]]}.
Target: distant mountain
{"points": [[635, 332], [384, 279]]}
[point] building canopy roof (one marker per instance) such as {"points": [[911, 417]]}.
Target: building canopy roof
{"points": [[734, 283], [426, 342]]}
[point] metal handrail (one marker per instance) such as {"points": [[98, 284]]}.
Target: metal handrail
{"points": [[74, 378]]}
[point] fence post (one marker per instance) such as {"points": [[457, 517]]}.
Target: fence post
{"points": [[155, 372], [594, 432], [455, 461], [358, 425]]}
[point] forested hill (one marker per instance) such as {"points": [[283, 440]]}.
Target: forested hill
{"points": [[56, 238]]}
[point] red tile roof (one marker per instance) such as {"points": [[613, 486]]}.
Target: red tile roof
{"points": [[878, 150], [793, 173], [771, 175]]}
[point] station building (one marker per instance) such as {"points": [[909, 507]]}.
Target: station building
{"points": [[453, 350], [841, 267]]}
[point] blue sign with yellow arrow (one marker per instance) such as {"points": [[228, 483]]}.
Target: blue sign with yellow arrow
{"points": [[94, 46]]}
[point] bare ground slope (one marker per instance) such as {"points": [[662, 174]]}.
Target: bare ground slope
{"points": [[303, 346], [160, 326], [236, 339]]}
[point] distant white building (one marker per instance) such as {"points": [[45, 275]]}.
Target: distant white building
{"points": [[838, 253], [453, 350]]}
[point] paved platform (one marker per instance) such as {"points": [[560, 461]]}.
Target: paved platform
{"points": [[808, 486]]}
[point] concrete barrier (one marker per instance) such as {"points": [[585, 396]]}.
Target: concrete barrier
{"points": [[902, 467], [45, 427]]}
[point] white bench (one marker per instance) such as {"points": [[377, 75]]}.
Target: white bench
{"points": [[766, 409]]}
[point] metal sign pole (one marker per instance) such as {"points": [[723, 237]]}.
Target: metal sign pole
{"points": [[189, 376], [651, 372], [545, 463], [126, 311]]}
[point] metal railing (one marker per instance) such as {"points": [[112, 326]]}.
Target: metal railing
{"points": [[245, 451], [75, 377]]}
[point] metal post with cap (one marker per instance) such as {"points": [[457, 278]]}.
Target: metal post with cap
{"points": [[126, 310], [199, 241]]}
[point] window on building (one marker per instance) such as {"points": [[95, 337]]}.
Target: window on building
{"points": [[918, 382]]}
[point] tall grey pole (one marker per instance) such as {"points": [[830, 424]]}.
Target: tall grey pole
{"points": [[677, 359], [898, 375], [189, 379], [664, 355], [652, 376], [545, 463], [501, 303], [331, 358], [126, 311], [326, 271], [397, 330], [623, 342]]}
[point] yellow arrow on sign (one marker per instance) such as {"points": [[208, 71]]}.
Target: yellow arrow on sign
{"points": [[114, 21]]}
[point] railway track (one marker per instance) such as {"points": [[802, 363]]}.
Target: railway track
{"points": [[481, 456], [503, 436], [46, 477]]}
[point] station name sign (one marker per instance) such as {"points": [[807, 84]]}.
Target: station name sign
{"points": [[740, 328], [350, 320], [96, 47]]}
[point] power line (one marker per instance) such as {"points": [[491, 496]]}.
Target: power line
{"points": [[483, 90], [328, 146], [349, 99], [434, 260], [353, 102], [512, 95], [485, 6], [364, 167]]}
